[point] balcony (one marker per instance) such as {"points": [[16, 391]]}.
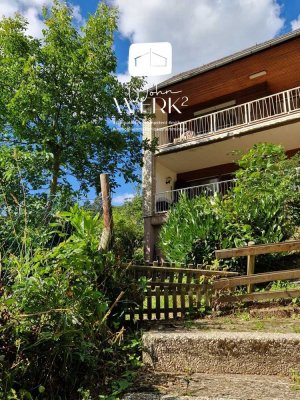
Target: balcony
{"points": [[164, 200], [229, 119]]}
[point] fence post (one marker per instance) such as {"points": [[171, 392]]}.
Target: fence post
{"points": [[250, 267], [106, 236]]}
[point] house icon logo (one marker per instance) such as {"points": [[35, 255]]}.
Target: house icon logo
{"points": [[150, 59]]}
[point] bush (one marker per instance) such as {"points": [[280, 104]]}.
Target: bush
{"points": [[129, 230], [263, 207], [193, 230], [266, 195], [58, 332]]}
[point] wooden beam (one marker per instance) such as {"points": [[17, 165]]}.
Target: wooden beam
{"points": [[205, 272], [259, 249], [258, 278], [260, 296]]}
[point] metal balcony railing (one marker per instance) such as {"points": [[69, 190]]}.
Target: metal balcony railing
{"points": [[278, 104], [164, 200]]}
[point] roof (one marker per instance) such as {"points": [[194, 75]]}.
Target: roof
{"points": [[228, 59]]}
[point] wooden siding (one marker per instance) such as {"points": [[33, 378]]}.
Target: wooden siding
{"points": [[231, 81]]}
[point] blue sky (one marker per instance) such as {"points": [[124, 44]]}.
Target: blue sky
{"points": [[202, 32]]}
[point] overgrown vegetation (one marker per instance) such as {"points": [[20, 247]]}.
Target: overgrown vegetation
{"points": [[62, 302], [129, 230], [263, 207], [61, 329], [128, 227]]}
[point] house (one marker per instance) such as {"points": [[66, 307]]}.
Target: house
{"points": [[206, 117]]}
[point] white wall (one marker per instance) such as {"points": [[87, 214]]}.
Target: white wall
{"points": [[161, 173]]}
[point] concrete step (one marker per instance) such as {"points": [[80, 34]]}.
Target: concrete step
{"points": [[219, 352], [216, 387]]}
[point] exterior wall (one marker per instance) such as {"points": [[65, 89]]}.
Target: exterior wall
{"points": [[161, 173], [147, 171], [152, 229], [149, 185]]}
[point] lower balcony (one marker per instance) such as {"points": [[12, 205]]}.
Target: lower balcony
{"points": [[165, 200]]}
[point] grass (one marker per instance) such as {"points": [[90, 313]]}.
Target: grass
{"points": [[296, 379], [259, 325], [245, 316], [296, 328]]}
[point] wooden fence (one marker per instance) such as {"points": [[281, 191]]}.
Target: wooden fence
{"points": [[172, 292], [253, 250], [230, 283]]}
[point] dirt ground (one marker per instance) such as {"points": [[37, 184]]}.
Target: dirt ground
{"points": [[213, 387], [271, 318]]}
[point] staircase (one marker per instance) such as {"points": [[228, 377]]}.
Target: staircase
{"points": [[219, 365]]}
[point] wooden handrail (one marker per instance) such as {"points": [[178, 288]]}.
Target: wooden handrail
{"points": [[199, 272], [261, 296], [258, 249], [257, 278]]}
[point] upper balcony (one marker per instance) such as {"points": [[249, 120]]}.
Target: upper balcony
{"points": [[213, 125]]}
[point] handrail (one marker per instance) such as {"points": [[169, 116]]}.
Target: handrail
{"points": [[258, 249], [163, 200], [280, 103], [195, 187]]}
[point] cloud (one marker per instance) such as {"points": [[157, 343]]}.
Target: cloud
{"points": [[295, 24], [32, 10], [124, 78], [77, 15], [200, 31], [120, 199]]}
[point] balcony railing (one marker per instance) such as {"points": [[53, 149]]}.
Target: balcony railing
{"points": [[265, 108], [164, 200]]}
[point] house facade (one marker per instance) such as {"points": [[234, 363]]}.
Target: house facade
{"points": [[204, 119]]}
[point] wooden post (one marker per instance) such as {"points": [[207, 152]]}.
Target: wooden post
{"points": [[250, 270], [250, 267], [106, 236]]}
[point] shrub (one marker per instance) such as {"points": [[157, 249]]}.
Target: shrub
{"points": [[193, 230], [263, 207], [266, 195]]}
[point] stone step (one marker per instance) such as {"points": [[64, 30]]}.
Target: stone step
{"points": [[219, 352], [216, 387]]}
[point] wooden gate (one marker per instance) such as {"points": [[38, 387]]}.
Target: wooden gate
{"points": [[172, 292]]}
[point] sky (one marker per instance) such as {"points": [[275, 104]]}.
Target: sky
{"points": [[200, 31]]}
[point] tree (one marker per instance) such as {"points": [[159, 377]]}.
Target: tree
{"points": [[24, 219], [57, 95]]}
